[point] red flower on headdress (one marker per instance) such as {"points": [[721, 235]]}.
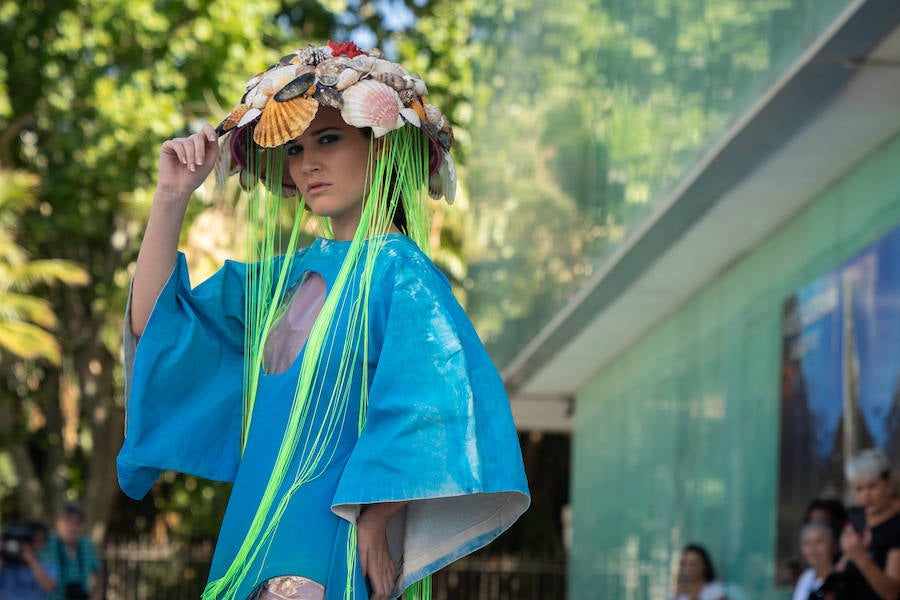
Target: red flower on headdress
{"points": [[348, 49]]}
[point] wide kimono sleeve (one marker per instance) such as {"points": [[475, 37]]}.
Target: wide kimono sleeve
{"points": [[439, 432], [183, 382]]}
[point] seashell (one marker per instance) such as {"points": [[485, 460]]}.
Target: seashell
{"points": [[313, 55], [434, 115], [283, 121], [328, 72], [249, 116], [386, 66], [328, 96], [395, 80], [410, 116], [371, 103], [233, 118], [328, 80], [347, 78], [443, 183], [302, 85], [257, 100], [417, 106], [303, 70], [375, 52], [253, 81], [276, 79], [225, 164], [362, 63], [289, 59], [441, 131], [408, 97]]}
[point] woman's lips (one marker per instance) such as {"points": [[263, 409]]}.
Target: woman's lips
{"points": [[317, 187]]}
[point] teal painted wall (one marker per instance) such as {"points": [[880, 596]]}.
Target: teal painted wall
{"points": [[677, 439]]}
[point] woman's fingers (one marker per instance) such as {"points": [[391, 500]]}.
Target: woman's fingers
{"points": [[209, 133], [198, 142], [195, 149], [174, 146], [380, 573]]}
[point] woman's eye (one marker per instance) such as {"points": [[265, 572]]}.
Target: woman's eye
{"points": [[328, 138], [294, 150]]}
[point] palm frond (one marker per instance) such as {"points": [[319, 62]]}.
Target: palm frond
{"points": [[22, 307], [28, 341]]}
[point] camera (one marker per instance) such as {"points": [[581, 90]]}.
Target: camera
{"points": [[12, 542]]}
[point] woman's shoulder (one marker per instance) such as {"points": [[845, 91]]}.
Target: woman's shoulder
{"points": [[887, 533], [714, 590], [401, 257], [805, 584]]}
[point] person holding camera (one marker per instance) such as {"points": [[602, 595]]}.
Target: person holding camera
{"points": [[75, 558], [22, 575]]}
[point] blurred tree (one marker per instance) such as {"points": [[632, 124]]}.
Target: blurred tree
{"points": [[88, 91], [588, 113], [27, 325]]}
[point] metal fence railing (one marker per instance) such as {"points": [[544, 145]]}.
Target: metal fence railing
{"points": [[135, 571]]}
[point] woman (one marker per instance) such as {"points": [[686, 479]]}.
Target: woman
{"points": [[696, 576], [820, 551], [339, 386], [872, 555]]}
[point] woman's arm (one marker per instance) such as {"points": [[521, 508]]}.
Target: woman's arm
{"points": [[374, 554], [885, 583], [183, 165]]}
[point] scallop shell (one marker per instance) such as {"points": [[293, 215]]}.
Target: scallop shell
{"points": [[372, 104], [233, 118], [283, 121]]}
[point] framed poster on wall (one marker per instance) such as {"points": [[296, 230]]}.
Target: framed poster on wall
{"points": [[840, 382]]}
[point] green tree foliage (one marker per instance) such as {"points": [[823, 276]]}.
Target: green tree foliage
{"points": [[588, 113], [88, 91]]}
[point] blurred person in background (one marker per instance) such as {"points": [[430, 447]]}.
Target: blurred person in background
{"points": [[819, 548], [871, 561], [829, 510], [74, 557], [696, 576], [22, 575]]}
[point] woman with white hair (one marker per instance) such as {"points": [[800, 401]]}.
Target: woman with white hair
{"points": [[820, 551], [872, 555]]}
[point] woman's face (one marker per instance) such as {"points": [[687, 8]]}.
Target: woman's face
{"points": [[328, 164], [817, 548], [691, 567], [873, 493]]}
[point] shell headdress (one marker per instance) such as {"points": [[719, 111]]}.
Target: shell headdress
{"points": [[370, 91]]}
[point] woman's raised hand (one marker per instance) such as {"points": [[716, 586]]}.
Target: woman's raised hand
{"points": [[185, 162]]}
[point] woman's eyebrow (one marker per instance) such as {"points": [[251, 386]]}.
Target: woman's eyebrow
{"points": [[322, 130]]}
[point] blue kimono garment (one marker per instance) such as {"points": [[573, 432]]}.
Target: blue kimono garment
{"points": [[438, 432]]}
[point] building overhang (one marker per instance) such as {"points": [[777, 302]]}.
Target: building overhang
{"points": [[839, 102]]}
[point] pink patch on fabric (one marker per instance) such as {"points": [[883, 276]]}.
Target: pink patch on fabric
{"points": [[291, 330]]}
